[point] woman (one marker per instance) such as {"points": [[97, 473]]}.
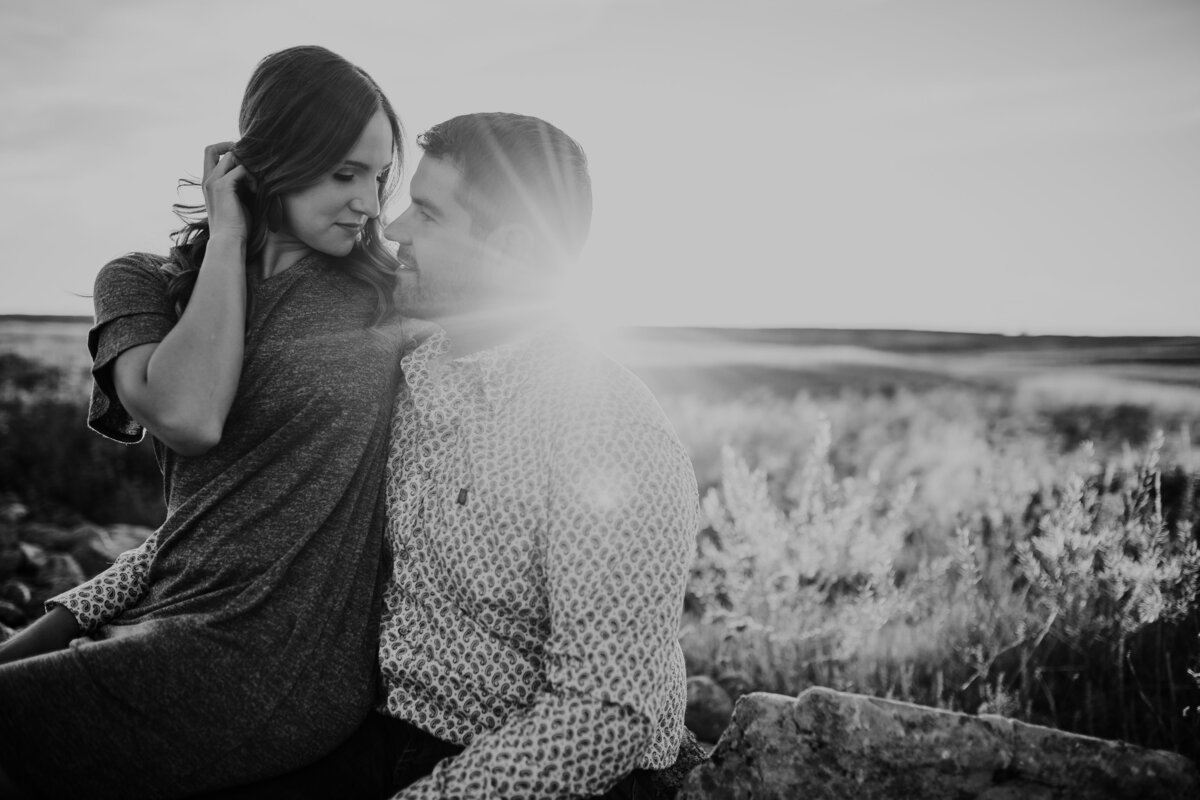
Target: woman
{"points": [[240, 641]]}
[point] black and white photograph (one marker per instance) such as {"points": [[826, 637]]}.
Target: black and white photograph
{"points": [[615, 399]]}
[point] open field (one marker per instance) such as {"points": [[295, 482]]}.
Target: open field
{"points": [[982, 523], [728, 361]]}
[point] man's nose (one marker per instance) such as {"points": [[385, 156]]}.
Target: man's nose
{"points": [[398, 229], [394, 232]]}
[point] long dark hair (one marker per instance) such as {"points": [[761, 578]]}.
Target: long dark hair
{"points": [[304, 109]]}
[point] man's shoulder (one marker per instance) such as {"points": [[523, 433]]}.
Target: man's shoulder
{"points": [[577, 384], [579, 369]]}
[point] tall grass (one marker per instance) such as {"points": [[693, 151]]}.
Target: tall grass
{"points": [[949, 548], [974, 548], [51, 461]]}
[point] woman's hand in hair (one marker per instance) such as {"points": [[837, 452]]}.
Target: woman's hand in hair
{"points": [[222, 175]]}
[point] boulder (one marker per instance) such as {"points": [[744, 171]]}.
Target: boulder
{"points": [[48, 537], [708, 708], [12, 615], [16, 592], [33, 558], [826, 744], [735, 683], [126, 537], [10, 548], [92, 556], [59, 574]]}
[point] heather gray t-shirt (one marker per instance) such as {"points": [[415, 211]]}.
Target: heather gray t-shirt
{"points": [[254, 647]]}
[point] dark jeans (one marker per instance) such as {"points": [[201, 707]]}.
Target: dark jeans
{"points": [[382, 757]]}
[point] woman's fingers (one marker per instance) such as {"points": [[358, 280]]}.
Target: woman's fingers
{"points": [[225, 164], [212, 156]]}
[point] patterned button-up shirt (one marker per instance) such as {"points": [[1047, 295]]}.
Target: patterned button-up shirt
{"points": [[542, 519]]}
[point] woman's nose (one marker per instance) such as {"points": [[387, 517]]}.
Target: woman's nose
{"points": [[366, 203]]}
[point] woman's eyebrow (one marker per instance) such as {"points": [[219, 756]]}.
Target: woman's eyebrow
{"points": [[364, 167]]}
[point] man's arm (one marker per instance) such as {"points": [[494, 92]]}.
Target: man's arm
{"points": [[96, 601], [623, 520], [90, 604]]}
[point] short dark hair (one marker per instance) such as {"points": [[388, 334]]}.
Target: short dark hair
{"points": [[518, 168]]}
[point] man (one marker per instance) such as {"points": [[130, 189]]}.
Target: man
{"points": [[542, 513]]}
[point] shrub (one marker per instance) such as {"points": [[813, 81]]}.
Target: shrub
{"points": [[1070, 603]]}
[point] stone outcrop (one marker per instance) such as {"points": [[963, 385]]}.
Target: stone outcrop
{"points": [[826, 744], [708, 708], [39, 560]]}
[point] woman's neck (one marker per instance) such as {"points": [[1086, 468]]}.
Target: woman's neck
{"points": [[280, 253]]}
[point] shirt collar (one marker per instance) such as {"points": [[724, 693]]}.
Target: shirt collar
{"points": [[501, 370]]}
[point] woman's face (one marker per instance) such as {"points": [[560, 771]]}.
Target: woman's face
{"points": [[329, 215]]}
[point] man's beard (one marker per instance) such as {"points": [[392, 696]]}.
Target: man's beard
{"points": [[423, 296]]}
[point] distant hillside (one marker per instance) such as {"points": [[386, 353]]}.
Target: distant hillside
{"points": [[912, 341], [731, 361], [44, 318]]}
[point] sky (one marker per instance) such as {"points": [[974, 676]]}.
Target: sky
{"points": [[1012, 166]]}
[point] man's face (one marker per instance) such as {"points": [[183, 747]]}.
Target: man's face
{"points": [[451, 271]]}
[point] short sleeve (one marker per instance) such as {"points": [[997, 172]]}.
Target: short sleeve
{"points": [[132, 308]]}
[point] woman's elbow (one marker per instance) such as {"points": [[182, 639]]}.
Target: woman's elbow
{"points": [[189, 437]]}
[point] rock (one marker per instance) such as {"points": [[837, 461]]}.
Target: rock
{"points": [[826, 744], [125, 537], [10, 548], [708, 708], [60, 573], [735, 683], [93, 548], [93, 557], [47, 537], [15, 592], [12, 512], [11, 615], [33, 558]]}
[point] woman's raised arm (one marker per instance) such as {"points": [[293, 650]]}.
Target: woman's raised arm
{"points": [[180, 389]]}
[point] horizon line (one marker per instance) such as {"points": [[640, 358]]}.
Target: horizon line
{"points": [[751, 327]]}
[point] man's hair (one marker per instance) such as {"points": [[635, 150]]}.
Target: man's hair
{"points": [[519, 169]]}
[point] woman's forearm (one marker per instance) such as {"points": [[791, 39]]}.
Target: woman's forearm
{"points": [[182, 388]]}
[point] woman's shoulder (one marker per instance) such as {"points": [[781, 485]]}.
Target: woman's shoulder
{"points": [[134, 280], [136, 262], [133, 267]]}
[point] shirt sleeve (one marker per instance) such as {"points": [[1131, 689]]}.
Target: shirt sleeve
{"points": [[132, 308], [95, 602], [622, 526]]}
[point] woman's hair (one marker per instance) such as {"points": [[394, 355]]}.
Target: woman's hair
{"points": [[303, 111]]}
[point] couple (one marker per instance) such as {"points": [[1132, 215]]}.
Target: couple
{"points": [[420, 542]]}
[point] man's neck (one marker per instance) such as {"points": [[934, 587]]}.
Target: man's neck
{"points": [[472, 333]]}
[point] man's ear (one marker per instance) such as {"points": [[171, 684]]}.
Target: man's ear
{"points": [[514, 243]]}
